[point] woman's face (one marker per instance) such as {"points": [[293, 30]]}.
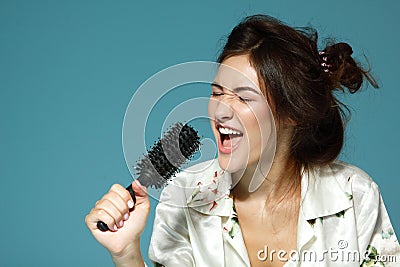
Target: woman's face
{"points": [[240, 116]]}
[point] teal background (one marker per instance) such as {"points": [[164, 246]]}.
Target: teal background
{"points": [[69, 68]]}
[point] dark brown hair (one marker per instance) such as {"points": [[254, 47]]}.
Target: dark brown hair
{"points": [[294, 80]]}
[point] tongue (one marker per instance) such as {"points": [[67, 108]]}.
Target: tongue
{"points": [[230, 140], [226, 142]]}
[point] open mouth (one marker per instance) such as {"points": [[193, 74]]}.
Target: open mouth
{"points": [[229, 138]]}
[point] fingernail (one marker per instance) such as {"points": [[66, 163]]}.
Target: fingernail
{"points": [[121, 223], [130, 204], [126, 216], [115, 227]]}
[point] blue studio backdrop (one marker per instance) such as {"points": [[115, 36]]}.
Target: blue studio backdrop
{"points": [[68, 70]]}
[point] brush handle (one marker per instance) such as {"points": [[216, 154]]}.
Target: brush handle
{"points": [[102, 226]]}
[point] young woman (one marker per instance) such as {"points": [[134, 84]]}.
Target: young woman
{"points": [[305, 208]]}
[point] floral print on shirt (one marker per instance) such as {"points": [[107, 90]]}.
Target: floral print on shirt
{"points": [[232, 226], [381, 253]]}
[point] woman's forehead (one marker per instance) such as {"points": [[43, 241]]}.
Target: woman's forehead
{"points": [[237, 72]]}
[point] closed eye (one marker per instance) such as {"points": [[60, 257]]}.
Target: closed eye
{"points": [[244, 99], [216, 94]]}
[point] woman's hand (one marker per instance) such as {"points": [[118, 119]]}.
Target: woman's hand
{"points": [[123, 239]]}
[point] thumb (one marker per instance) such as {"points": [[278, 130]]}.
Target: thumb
{"points": [[140, 190]]}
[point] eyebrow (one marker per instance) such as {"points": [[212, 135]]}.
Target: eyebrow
{"points": [[237, 89]]}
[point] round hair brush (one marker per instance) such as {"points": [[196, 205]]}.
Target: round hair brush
{"points": [[164, 159]]}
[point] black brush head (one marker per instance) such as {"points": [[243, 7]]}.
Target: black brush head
{"points": [[167, 155]]}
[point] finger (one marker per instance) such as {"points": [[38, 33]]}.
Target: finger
{"points": [[119, 203], [97, 215], [140, 192], [107, 205], [139, 189], [124, 194]]}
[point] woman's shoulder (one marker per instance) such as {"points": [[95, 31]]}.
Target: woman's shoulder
{"points": [[332, 188], [349, 175]]}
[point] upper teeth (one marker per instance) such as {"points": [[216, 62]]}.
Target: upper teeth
{"points": [[227, 131]]}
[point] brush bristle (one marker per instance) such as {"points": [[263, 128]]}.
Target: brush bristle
{"points": [[167, 155]]}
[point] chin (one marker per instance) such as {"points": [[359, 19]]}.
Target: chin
{"points": [[231, 164]]}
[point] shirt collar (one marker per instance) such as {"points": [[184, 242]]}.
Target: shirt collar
{"points": [[323, 192], [210, 192]]}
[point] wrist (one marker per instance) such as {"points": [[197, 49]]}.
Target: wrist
{"points": [[130, 256]]}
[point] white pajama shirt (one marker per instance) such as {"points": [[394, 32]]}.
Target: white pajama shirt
{"points": [[342, 222]]}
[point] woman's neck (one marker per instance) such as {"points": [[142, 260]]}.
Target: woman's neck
{"points": [[282, 180]]}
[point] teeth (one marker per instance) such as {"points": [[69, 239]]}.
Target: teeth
{"points": [[228, 131]]}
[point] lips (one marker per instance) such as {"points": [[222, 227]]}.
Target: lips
{"points": [[228, 139]]}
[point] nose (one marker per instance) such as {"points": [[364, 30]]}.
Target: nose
{"points": [[221, 110]]}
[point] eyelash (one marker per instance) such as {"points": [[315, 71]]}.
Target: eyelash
{"points": [[216, 94], [240, 98]]}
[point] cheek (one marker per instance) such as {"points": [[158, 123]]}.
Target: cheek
{"points": [[256, 122], [250, 121], [212, 106]]}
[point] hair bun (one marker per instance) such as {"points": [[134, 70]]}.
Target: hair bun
{"points": [[343, 50], [339, 54], [344, 71]]}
